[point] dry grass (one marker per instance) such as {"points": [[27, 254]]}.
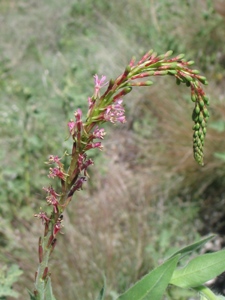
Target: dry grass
{"points": [[145, 182]]}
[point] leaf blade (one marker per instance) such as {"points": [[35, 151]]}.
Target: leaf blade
{"points": [[199, 270], [152, 285]]}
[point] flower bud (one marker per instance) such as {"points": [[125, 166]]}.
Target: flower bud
{"points": [[201, 103], [193, 97], [197, 109], [200, 118], [191, 62], [206, 112], [178, 81]]}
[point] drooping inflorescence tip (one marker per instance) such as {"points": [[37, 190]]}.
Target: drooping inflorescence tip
{"points": [[200, 117]]}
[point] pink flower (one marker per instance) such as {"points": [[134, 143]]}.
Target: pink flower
{"points": [[99, 83], [94, 145], [98, 133], [71, 126], [50, 191], [90, 102], [75, 128], [56, 172], [51, 200], [115, 112], [53, 158], [57, 228], [42, 215]]}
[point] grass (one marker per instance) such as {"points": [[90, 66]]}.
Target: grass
{"points": [[146, 181]]}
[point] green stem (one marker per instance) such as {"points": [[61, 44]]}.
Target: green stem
{"points": [[40, 282], [206, 292]]}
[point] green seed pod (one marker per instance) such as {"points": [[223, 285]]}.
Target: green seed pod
{"points": [[193, 97], [203, 123], [201, 103], [199, 144], [197, 125], [200, 117], [195, 71], [205, 112], [191, 62], [178, 81], [180, 56], [172, 72], [168, 53], [206, 99], [195, 133], [202, 79], [188, 83], [148, 83], [188, 78], [204, 130], [126, 90], [197, 109]]}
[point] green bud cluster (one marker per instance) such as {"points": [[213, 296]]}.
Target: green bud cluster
{"points": [[200, 117]]}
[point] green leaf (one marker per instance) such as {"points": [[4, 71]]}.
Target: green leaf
{"points": [[152, 285], [48, 290], [218, 125], [6, 290], [199, 270], [12, 274], [101, 295], [32, 297], [220, 155], [188, 249]]}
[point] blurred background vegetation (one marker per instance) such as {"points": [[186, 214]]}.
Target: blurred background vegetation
{"points": [[146, 195]]}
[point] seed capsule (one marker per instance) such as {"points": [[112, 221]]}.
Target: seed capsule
{"points": [[206, 112], [201, 103], [197, 109], [200, 118], [193, 97]]}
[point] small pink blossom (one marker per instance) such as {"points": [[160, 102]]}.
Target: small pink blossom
{"points": [[91, 102], [56, 172], [71, 126], [99, 83], [50, 191], [57, 228], [94, 145], [54, 158], [99, 133], [115, 112], [51, 200], [42, 215]]}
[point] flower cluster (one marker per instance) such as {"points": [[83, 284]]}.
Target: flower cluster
{"points": [[108, 107], [56, 171], [52, 198], [115, 112]]}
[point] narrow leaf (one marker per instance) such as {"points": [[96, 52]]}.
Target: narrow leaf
{"points": [[101, 295], [199, 270], [32, 297], [152, 285], [48, 290], [192, 247]]}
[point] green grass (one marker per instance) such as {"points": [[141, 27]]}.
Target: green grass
{"points": [[146, 180]]}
